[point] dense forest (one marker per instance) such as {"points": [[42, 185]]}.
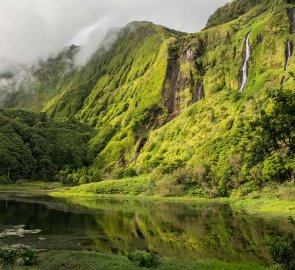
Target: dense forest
{"points": [[35, 147]]}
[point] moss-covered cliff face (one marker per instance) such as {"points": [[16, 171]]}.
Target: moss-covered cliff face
{"points": [[220, 138], [163, 100]]}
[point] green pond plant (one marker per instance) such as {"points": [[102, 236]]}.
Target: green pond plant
{"points": [[9, 256]]}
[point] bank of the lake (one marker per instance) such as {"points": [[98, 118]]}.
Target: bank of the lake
{"points": [[24, 189], [77, 260], [272, 200]]}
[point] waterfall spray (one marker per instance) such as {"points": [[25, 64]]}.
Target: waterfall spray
{"points": [[245, 67]]}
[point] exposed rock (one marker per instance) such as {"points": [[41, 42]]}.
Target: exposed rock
{"points": [[189, 54], [291, 14]]}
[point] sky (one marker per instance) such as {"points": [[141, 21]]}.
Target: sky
{"points": [[34, 29]]}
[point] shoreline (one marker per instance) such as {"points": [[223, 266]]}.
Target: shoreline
{"points": [[266, 205]]}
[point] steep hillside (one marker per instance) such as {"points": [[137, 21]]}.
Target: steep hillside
{"points": [[222, 140], [208, 109]]}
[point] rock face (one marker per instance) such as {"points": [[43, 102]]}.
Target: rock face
{"points": [[291, 14], [183, 88]]}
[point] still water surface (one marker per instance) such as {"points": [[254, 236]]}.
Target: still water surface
{"points": [[183, 231]]}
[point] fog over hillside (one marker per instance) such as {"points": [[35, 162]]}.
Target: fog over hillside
{"points": [[32, 29]]}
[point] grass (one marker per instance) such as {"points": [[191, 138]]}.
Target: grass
{"points": [[76, 260], [29, 188], [127, 186], [136, 188], [273, 201], [267, 206]]}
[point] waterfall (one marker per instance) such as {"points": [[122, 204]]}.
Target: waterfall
{"points": [[245, 67], [200, 91], [289, 52]]}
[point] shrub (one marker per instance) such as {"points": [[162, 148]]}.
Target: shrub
{"points": [[292, 220], [29, 257], [8, 256], [282, 250], [124, 173], [85, 179], [143, 258], [168, 186], [4, 180], [245, 189]]}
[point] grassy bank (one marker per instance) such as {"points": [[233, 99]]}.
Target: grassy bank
{"points": [[273, 207], [24, 189], [272, 200], [77, 260]]}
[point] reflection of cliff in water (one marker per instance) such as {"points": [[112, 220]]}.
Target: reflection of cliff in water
{"points": [[175, 230]]}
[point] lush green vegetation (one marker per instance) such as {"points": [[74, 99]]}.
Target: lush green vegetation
{"points": [[9, 256], [160, 111], [234, 10], [128, 186], [34, 147], [77, 260], [165, 104], [282, 249], [272, 200]]}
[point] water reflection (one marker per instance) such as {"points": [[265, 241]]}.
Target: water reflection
{"points": [[184, 231]]}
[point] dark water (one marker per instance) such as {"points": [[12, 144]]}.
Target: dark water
{"points": [[184, 231]]}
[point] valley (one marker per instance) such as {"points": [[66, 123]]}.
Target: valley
{"points": [[163, 142]]}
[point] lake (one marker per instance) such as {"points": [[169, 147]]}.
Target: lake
{"points": [[175, 230]]}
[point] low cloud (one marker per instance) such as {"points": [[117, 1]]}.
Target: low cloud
{"points": [[17, 78], [33, 29]]}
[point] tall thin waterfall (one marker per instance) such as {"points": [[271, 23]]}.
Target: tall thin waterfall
{"points": [[245, 67], [288, 54]]}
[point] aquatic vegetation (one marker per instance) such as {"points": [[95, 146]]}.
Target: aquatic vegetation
{"points": [[9, 256], [282, 249], [143, 258]]}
